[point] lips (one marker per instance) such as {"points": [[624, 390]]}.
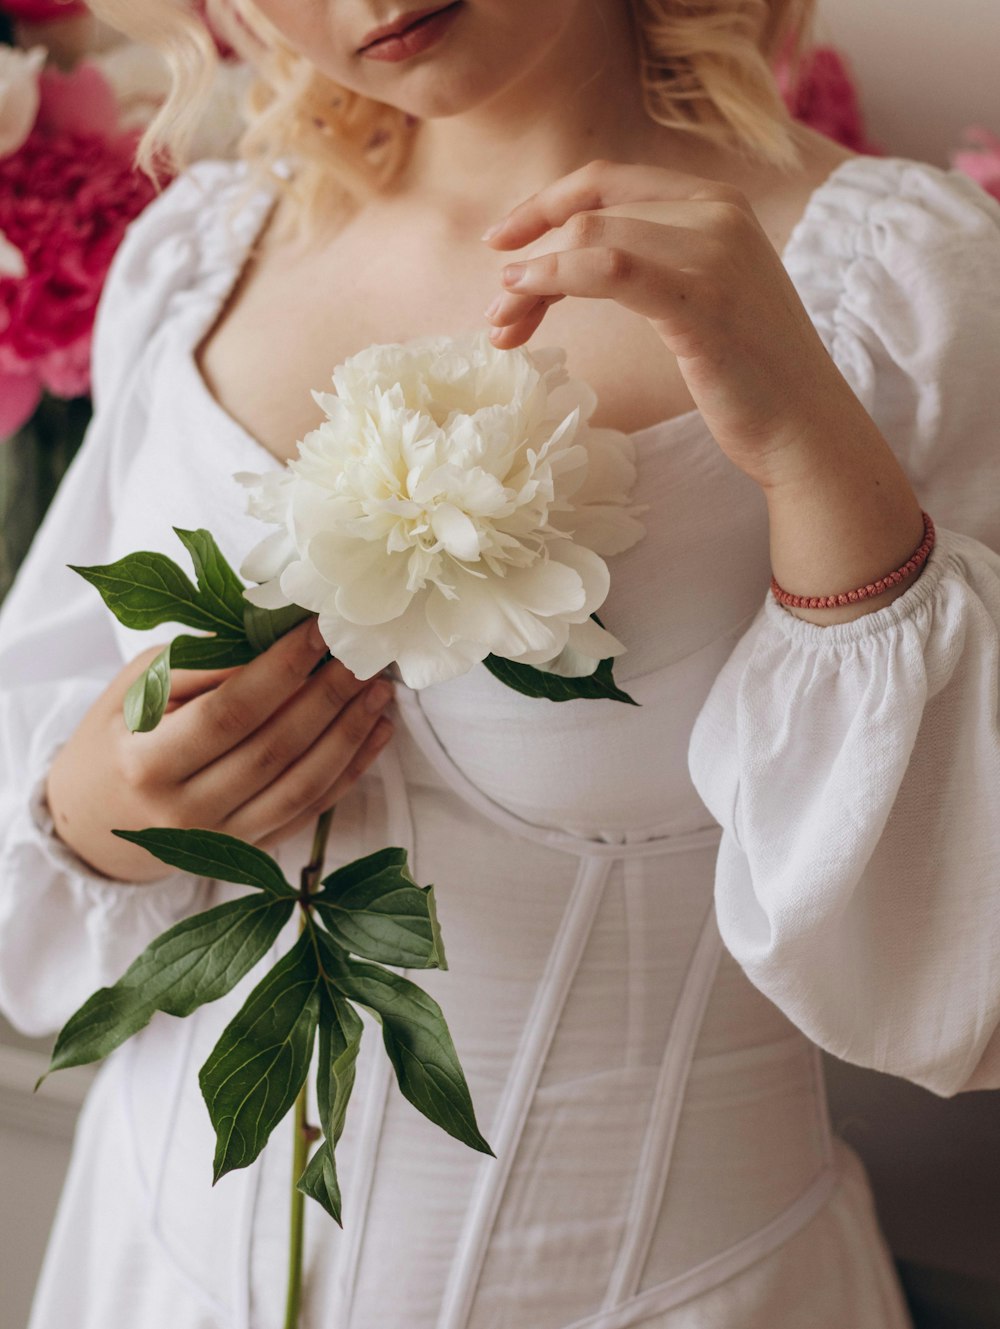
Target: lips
{"points": [[402, 24]]}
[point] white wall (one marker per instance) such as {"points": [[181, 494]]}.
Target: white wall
{"points": [[926, 68]]}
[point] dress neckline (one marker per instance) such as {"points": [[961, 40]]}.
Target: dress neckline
{"points": [[238, 254]]}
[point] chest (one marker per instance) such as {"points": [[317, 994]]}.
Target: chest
{"points": [[290, 320], [293, 315]]}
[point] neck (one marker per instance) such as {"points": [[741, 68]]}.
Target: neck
{"points": [[581, 99]]}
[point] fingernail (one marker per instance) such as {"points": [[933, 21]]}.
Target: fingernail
{"points": [[513, 273], [378, 695], [491, 231], [316, 640], [492, 307]]}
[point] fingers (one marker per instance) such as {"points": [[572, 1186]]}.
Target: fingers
{"points": [[366, 754], [216, 721], [601, 184], [312, 783], [257, 762], [645, 266]]}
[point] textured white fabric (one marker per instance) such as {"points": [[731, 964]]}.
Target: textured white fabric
{"points": [[664, 1155]]}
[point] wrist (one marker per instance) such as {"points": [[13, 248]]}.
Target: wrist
{"points": [[842, 523]]}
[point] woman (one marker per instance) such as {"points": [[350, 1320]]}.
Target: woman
{"points": [[794, 337]]}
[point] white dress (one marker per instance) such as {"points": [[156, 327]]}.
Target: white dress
{"points": [[652, 916]]}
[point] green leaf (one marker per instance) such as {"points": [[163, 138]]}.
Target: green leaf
{"points": [[534, 682], [340, 1030], [212, 854], [256, 1069], [263, 627], [215, 652], [374, 908], [194, 962], [147, 697], [221, 589], [145, 589], [553, 687], [416, 1038], [319, 1181]]}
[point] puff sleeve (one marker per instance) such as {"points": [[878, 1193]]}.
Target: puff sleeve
{"points": [[65, 929], [855, 768]]}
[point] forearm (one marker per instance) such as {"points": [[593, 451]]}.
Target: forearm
{"points": [[843, 515]]}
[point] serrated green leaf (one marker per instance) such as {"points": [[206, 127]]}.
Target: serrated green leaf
{"points": [[534, 682], [221, 589], [145, 589], [194, 962], [263, 627], [319, 1181], [215, 652], [375, 909], [255, 1071], [213, 854], [416, 1039], [147, 696]]}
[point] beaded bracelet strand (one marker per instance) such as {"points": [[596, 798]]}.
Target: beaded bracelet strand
{"points": [[916, 560]]}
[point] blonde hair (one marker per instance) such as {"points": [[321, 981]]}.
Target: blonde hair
{"points": [[705, 67]]}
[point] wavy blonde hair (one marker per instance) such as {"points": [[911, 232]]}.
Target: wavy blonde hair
{"points": [[705, 67]]}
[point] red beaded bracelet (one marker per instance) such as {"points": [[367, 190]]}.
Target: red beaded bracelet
{"points": [[917, 560]]}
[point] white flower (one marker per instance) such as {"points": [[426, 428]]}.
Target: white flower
{"points": [[455, 503], [19, 71], [12, 262]]}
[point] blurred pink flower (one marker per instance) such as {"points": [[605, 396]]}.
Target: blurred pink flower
{"points": [[65, 200], [42, 11], [825, 98], [981, 159]]}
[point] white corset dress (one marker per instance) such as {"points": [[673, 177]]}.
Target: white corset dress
{"points": [[652, 915]]}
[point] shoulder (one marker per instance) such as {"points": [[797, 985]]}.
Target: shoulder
{"points": [[187, 238], [892, 212], [897, 262], [890, 245]]}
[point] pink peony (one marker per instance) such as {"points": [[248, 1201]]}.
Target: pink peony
{"points": [[825, 98], [65, 200], [980, 159], [42, 11]]}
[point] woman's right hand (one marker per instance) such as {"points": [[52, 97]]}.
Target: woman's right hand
{"points": [[257, 751]]}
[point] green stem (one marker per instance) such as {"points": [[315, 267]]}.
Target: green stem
{"points": [[304, 1133]]}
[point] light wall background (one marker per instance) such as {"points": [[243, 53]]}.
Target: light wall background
{"points": [[926, 68]]}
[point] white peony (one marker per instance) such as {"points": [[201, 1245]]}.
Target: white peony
{"points": [[19, 71], [455, 503]]}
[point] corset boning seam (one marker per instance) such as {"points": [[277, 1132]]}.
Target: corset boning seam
{"points": [[718, 1268], [653, 1166]]}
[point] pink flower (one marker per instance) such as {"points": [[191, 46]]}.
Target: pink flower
{"points": [[42, 11], [825, 98], [65, 200], [982, 159]]}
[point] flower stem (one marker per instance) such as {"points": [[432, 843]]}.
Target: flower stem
{"points": [[304, 1133]]}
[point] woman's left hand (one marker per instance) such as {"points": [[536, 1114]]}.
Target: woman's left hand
{"points": [[689, 255]]}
